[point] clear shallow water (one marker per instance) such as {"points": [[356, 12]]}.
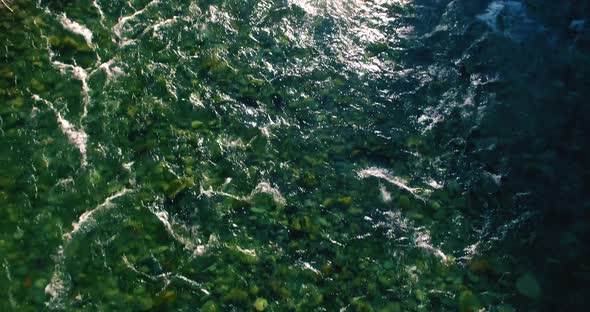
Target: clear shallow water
{"points": [[293, 155]]}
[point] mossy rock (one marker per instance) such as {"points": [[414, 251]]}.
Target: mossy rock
{"points": [[361, 306], [175, 187], [346, 201], [210, 306], [480, 266], [468, 302], [236, 296], [260, 304], [166, 297], [6, 182], [196, 124]]}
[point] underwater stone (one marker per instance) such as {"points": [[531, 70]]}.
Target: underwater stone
{"points": [[168, 296], [404, 202], [209, 306], [6, 182], [177, 186], [236, 295], [435, 205], [328, 202], [255, 81], [479, 266], [577, 25], [528, 286], [280, 290], [145, 303], [421, 295], [17, 102], [347, 201], [6, 73], [260, 210], [468, 302], [197, 124], [37, 86], [360, 306], [54, 41], [260, 304], [354, 211], [392, 307], [40, 283]]}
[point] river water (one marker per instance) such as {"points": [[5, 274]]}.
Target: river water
{"points": [[294, 155]]}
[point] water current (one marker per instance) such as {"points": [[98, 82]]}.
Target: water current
{"points": [[294, 155]]}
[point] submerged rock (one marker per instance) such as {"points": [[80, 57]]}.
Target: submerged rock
{"points": [[577, 25], [468, 302], [260, 304], [177, 186], [236, 295], [392, 307], [209, 306], [528, 286]]}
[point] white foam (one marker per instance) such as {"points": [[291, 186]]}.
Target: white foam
{"points": [[265, 187], [77, 72], [80, 74], [77, 137], [471, 250], [55, 287], [398, 223], [387, 176], [434, 184], [262, 187], [309, 267], [127, 166], [78, 29], [6, 5], [385, 195], [306, 6], [210, 192], [87, 216], [156, 27], [167, 278], [63, 182], [99, 10], [423, 241], [429, 119], [196, 101], [196, 248], [490, 17], [247, 252], [110, 71], [516, 23], [59, 284], [117, 28]]}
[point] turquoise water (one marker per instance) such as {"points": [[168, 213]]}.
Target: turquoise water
{"points": [[294, 155]]}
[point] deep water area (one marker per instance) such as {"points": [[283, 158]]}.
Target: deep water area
{"points": [[294, 155]]}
